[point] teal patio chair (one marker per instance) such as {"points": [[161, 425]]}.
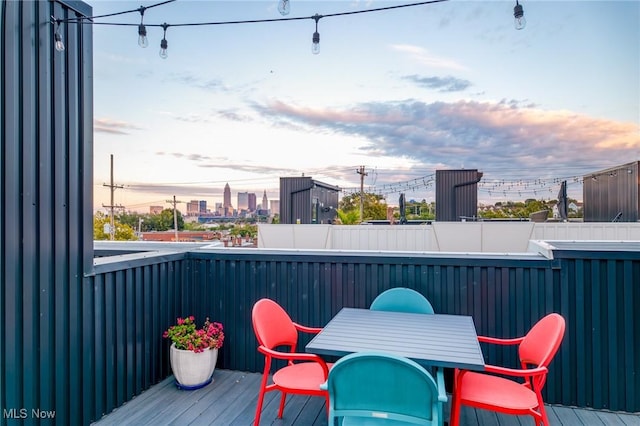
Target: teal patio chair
{"points": [[377, 388], [402, 299]]}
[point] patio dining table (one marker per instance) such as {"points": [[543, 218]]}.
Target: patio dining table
{"points": [[438, 340]]}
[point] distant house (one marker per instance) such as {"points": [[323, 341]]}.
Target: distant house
{"points": [[304, 200], [612, 194]]}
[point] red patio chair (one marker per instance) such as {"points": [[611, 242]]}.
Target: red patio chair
{"points": [[503, 395], [273, 328]]}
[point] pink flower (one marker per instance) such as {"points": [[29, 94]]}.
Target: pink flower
{"points": [[186, 336]]}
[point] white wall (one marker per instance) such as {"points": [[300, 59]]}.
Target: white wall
{"points": [[485, 237]]}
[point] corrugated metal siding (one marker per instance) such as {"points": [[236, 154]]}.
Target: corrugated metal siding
{"points": [[456, 194], [297, 196], [599, 359], [45, 217], [128, 304], [126, 309], [295, 199], [607, 193]]}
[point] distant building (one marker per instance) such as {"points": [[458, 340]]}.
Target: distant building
{"points": [[457, 194], [203, 207], [275, 207], [243, 201], [252, 202], [304, 200], [227, 197], [612, 195], [193, 208], [265, 202], [155, 209]]}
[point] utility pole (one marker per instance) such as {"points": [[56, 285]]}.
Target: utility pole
{"points": [[112, 206], [362, 174], [175, 216]]}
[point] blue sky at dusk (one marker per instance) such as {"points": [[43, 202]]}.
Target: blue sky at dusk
{"points": [[403, 92]]}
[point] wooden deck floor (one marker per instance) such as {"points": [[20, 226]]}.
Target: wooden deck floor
{"points": [[231, 400]]}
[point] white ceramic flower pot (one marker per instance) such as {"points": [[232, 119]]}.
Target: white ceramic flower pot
{"points": [[193, 370]]}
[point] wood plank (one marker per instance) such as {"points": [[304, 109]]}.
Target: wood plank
{"points": [[589, 417], [183, 400], [205, 406], [567, 416], [234, 401], [618, 419], [231, 400]]}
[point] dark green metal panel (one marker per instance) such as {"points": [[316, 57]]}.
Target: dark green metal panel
{"points": [[129, 309], [598, 361], [45, 215]]}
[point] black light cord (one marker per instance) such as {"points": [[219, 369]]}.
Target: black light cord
{"points": [[90, 20]]}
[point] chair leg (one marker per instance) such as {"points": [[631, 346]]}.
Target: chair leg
{"points": [[282, 402], [259, 407], [543, 416], [454, 418]]}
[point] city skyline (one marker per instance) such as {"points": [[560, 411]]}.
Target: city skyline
{"points": [[196, 206], [403, 92]]}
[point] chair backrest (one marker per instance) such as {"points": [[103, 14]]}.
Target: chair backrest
{"points": [[541, 343], [401, 299], [382, 385], [272, 325]]}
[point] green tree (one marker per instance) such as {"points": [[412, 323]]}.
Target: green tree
{"points": [[162, 221], [133, 219], [350, 217], [244, 231], [123, 231], [374, 206]]}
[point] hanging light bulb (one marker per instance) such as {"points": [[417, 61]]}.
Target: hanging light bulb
{"points": [[59, 45], [315, 46], [163, 42], [142, 30], [518, 14], [142, 36], [284, 7], [163, 48]]}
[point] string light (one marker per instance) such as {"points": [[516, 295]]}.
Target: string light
{"points": [[315, 40], [284, 7], [163, 42], [59, 45], [142, 30], [518, 14]]}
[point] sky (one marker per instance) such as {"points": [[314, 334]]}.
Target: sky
{"points": [[403, 92]]}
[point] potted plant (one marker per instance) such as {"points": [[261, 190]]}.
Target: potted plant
{"points": [[194, 351]]}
